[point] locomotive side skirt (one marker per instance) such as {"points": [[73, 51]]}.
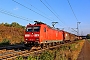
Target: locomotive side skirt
{"points": [[51, 41]]}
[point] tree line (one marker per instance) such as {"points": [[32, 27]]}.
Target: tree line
{"points": [[13, 24]]}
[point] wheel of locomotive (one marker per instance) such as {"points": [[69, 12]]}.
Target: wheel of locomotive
{"points": [[47, 45], [27, 45], [52, 44], [62, 42], [42, 46], [55, 43], [36, 44]]}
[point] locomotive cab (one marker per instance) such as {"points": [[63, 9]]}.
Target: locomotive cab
{"points": [[32, 34]]}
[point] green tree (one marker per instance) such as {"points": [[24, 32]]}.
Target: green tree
{"points": [[14, 24], [2, 24], [88, 36], [6, 24]]}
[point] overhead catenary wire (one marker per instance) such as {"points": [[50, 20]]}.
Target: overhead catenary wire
{"points": [[72, 10], [36, 8], [13, 15], [56, 15], [51, 8], [73, 13], [39, 10], [51, 11], [31, 10]]}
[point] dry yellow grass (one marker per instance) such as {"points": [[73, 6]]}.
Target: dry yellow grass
{"points": [[76, 52], [70, 51], [15, 35]]}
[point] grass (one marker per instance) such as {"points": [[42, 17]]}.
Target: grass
{"points": [[88, 39], [65, 52]]}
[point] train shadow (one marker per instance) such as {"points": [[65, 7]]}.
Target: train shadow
{"points": [[16, 47]]}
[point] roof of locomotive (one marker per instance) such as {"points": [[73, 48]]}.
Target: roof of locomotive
{"points": [[41, 23], [36, 24]]}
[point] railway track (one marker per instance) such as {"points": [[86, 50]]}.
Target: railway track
{"points": [[12, 54]]}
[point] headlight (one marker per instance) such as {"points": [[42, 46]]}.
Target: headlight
{"points": [[27, 35], [36, 35], [26, 39], [37, 39]]}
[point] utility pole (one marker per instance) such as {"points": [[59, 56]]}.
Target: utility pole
{"points": [[78, 28], [53, 24]]}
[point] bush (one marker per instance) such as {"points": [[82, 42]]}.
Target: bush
{"points": [[5, 42], [47, 56], [19, 58]]}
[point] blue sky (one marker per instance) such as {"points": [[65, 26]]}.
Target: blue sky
{"points": [[60, 8]]}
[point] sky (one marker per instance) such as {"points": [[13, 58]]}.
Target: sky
{"points": [[48, 11]]}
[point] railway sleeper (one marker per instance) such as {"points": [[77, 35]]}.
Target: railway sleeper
{"points": [[1, 57], [10, 55], [12, 58], [25, 55], [9, 59], [19, 53], [23, 52], [4, 56]]}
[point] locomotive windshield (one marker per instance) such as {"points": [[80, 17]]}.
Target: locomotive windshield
{"points": [[36, 28], [33, 29]]}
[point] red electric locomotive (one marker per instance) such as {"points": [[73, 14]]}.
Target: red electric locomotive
{"points": [[40, 33]]}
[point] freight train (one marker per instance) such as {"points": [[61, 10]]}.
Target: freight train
{"points": [[42, 34]]}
